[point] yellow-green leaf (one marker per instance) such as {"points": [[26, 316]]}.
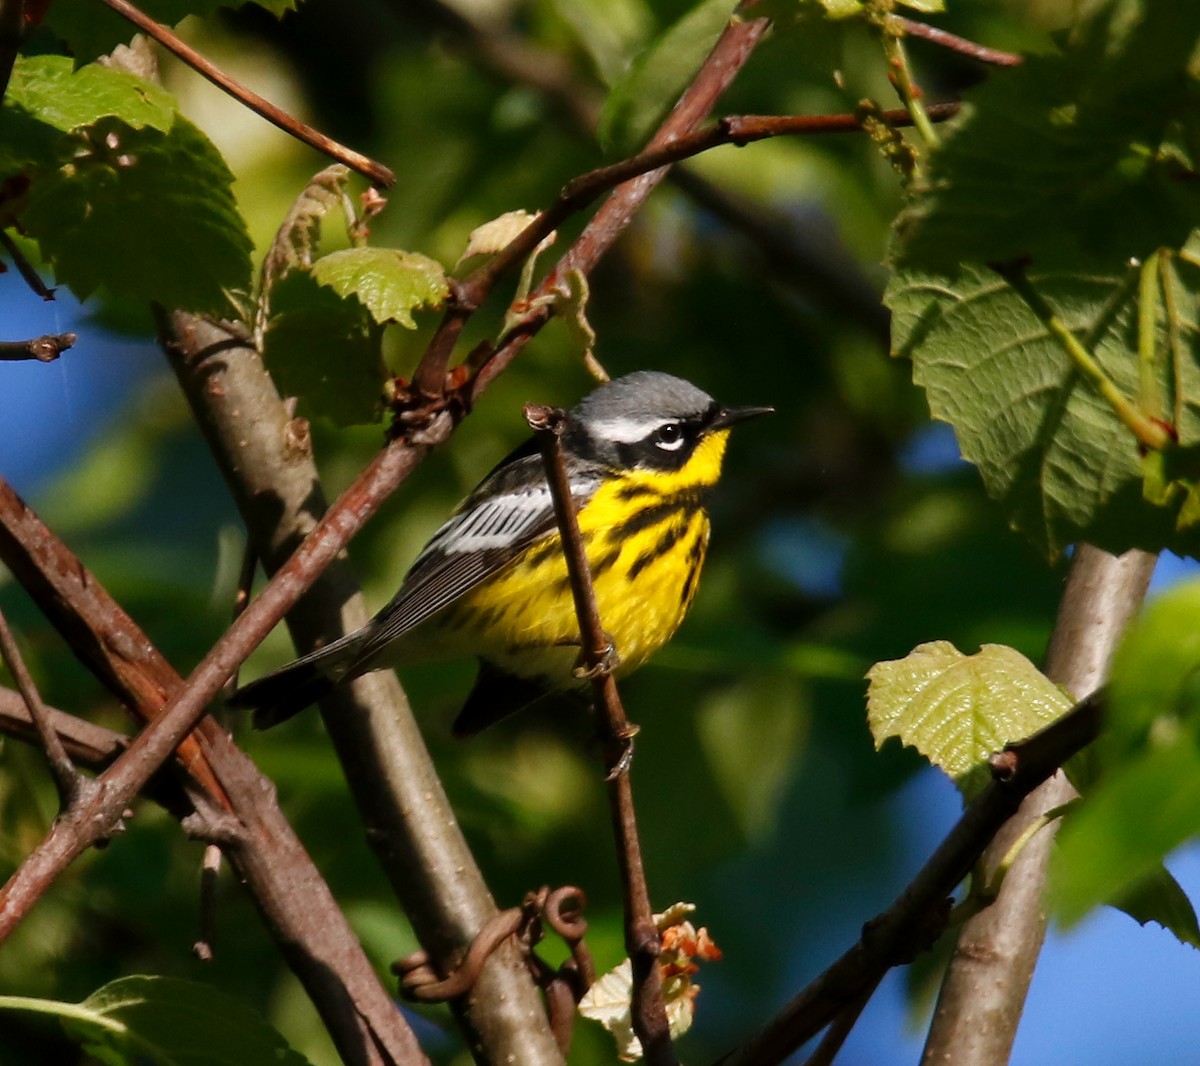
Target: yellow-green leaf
{"points": [[389, 283], [958, 709]]}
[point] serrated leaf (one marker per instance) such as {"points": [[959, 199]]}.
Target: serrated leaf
{"points": [[639, 100], [135, 1020], [324, 350], [1067, 156], [1047, 445], [1159, 898], [958, 709], [46, 98], [389, 283], [146, 214], [1135, 816]]}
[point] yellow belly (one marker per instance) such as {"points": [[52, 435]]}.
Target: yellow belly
{"points": [[524, 621], [646, 534]]}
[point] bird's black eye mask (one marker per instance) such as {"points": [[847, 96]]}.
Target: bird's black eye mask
{"points": [[670, 445]]}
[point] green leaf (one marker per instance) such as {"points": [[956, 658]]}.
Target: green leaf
{"points": [[1158, 897], [135, 1020], [958, 709], [1047, 445], [389, 283], [1127, 824], [145, 214], [639, 101], [324, 350], [1069, 156], [46, 98]]}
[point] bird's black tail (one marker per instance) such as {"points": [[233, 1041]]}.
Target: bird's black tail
{"points": [[278, 696]]}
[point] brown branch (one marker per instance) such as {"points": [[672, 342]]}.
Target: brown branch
{"points": [[58, 583], [794, 255], [642, 939], [731, 52], [983, 992], [964, 47], [265, 458], [373, 171], [44, 349], [295, 902], [918, 915], [67, 780], [91, 746], [87, 744]]}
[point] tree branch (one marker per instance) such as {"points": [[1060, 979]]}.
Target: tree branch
{"points": [[44, 349], [918, 915], [983, 992], [67, 780], [951, 41], [265, 459], [734, 47], [295, 902]]}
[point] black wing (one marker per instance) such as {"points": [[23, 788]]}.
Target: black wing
{"points": [[509, 511]]}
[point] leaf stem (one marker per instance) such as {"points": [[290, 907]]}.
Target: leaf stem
{"points": [[1174, 342], [1150, 433], [909, 91], [1149, 395], [74, 1011]]}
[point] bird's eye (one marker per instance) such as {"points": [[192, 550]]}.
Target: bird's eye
{"points": [[669, 437]]}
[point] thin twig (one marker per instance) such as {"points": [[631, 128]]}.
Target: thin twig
{"points": [[25, 268], [210, 870], [67, 780], [642, 938], [961, 45], [373, 171], [731, 52], [44, 349], [919, 913]]}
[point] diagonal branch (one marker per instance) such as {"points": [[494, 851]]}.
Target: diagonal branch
{"points": [[67, 780], [918, 915], [266, 461], [295, 902]]}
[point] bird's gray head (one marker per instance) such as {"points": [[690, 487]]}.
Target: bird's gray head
{"points": [[646, 419]]}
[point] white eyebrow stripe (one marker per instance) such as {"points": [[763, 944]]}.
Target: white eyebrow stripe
{"points": [[627, 430]]}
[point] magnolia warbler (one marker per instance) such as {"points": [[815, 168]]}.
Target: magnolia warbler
{"points": [[642, 454]]}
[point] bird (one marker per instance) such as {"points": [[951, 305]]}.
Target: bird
{"points": [[642, 454]]}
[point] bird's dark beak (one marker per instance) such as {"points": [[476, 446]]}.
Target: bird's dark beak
{"points": [[727, 416]]}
